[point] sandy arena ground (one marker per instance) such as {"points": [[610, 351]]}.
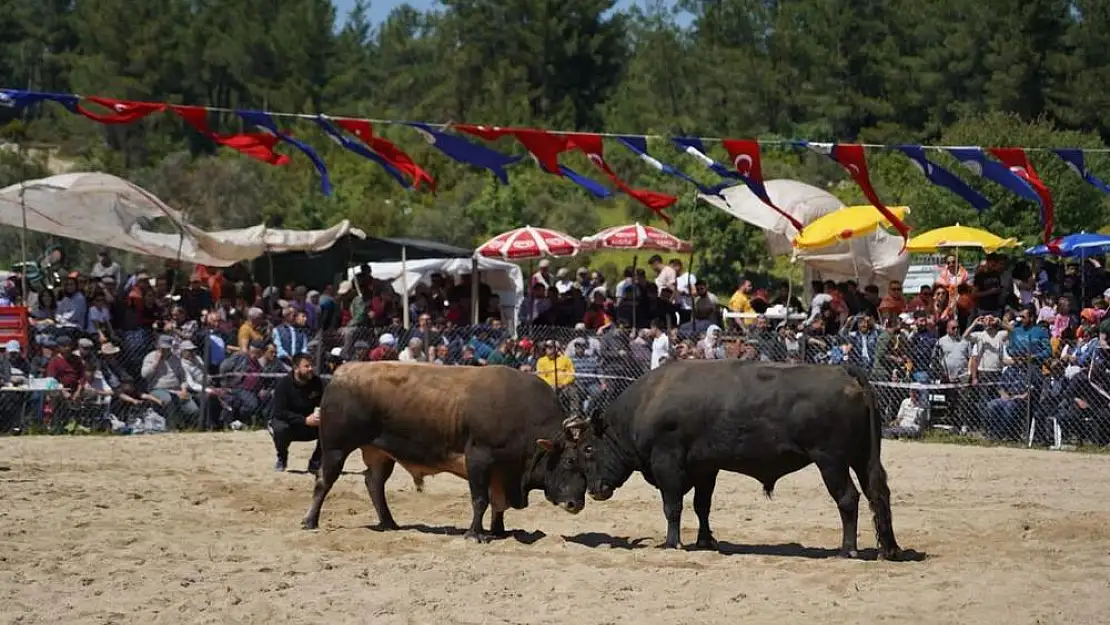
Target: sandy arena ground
{"points": [[196, 528]]}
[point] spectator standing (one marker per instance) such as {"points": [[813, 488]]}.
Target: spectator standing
{"points": [[106, 267], [660, 345]]}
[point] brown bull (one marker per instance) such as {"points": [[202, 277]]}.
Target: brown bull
{"points": [[498, 428]]}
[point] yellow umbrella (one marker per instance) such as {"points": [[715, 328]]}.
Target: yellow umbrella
{"points": [[957, 236], [846, 223]]}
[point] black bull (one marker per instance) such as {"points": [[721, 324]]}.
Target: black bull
{"points": [[684, 422]]}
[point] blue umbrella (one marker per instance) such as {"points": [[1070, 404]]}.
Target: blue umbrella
{"points": [[1078, 244]]}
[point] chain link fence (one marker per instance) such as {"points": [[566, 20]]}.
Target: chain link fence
{"points": [[1015, 386]]}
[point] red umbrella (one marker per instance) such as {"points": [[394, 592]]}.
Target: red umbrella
{"points": [[636, 237], [530, 243]]}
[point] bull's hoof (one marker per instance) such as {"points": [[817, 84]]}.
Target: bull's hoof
{"points": [[893, 555], [309, 524], [671, 545], [850, 554], [707, 543], [497, 530], [478, 537], [387, 526]]}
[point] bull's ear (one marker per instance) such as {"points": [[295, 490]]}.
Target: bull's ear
{"points": [[547, 444]]}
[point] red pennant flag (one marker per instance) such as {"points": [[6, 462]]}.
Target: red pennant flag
{"points": [[364, 130], [257, 145], [543, 145], [745, 158], [594, 148], [122, 111], [1018, 162], [852, 158]]}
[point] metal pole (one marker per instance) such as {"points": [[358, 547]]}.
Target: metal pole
{"points": [[405, 286], [23, 240], [474, 277]]}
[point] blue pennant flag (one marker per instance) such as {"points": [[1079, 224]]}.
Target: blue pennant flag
{"points": [[266, 123], [638, 145], [1074, 159], [976, 161], [467, 152], [694, 147], [18, 99], [944, 178], [337, 135], [594, 187]]}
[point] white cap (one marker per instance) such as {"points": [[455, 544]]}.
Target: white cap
{"points": [[387, 339], [545, 263], [337, 352]]}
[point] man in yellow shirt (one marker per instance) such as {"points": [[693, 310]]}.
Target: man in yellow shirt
{"points": [[740, 301], [555, 368], [558, 371]]}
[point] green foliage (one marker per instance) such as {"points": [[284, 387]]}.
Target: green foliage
{"points": [[991, 72]]}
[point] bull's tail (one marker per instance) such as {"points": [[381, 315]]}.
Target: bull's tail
{"points": [[876, 487]]}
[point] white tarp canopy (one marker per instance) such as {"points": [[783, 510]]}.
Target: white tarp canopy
{"points": [[873, 259], [504, 278], [105, 210]]}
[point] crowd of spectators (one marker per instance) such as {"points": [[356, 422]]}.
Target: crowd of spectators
{"points": [[1000, 344]]}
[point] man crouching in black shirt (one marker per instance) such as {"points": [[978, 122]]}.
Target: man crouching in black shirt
{"points": [[294, 412]]}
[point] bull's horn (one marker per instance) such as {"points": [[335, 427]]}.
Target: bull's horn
{"points": [[574, 423]]}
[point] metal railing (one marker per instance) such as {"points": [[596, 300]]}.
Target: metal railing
{"points": [[1050, 393]]}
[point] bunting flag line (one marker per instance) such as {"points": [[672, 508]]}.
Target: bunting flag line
{"points": [[944, 178], [1012, 170], [257, 145], [1016, 175], [401, 161], [467, 152], [852, 158], [120, 111], [594, 148], [638, 146], [18, 100], [266, 124], [745, 159], [1075, 162], [544, 148], [694, 147], [1018, 162], [336, 135]]}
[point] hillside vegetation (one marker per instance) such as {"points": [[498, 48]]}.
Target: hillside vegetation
{"points": [[951, 72]]}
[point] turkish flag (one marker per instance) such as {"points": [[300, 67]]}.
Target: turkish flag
{"points": [[1018, 162], [364, 130], [745, 159], [122, 111], [594, 148], [257, 145], [853, 159]]}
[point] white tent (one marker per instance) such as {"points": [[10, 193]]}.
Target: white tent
{"points": [[105, 210], [874, 258], [505, 279]]}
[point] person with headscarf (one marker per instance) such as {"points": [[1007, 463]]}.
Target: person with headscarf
{"points": [[711, 346]]}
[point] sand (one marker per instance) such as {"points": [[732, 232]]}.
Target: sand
{"points": [[197, 528]]}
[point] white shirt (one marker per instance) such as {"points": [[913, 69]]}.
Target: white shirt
{"points": [[660, 348], [666, 278], [685, 285]]}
